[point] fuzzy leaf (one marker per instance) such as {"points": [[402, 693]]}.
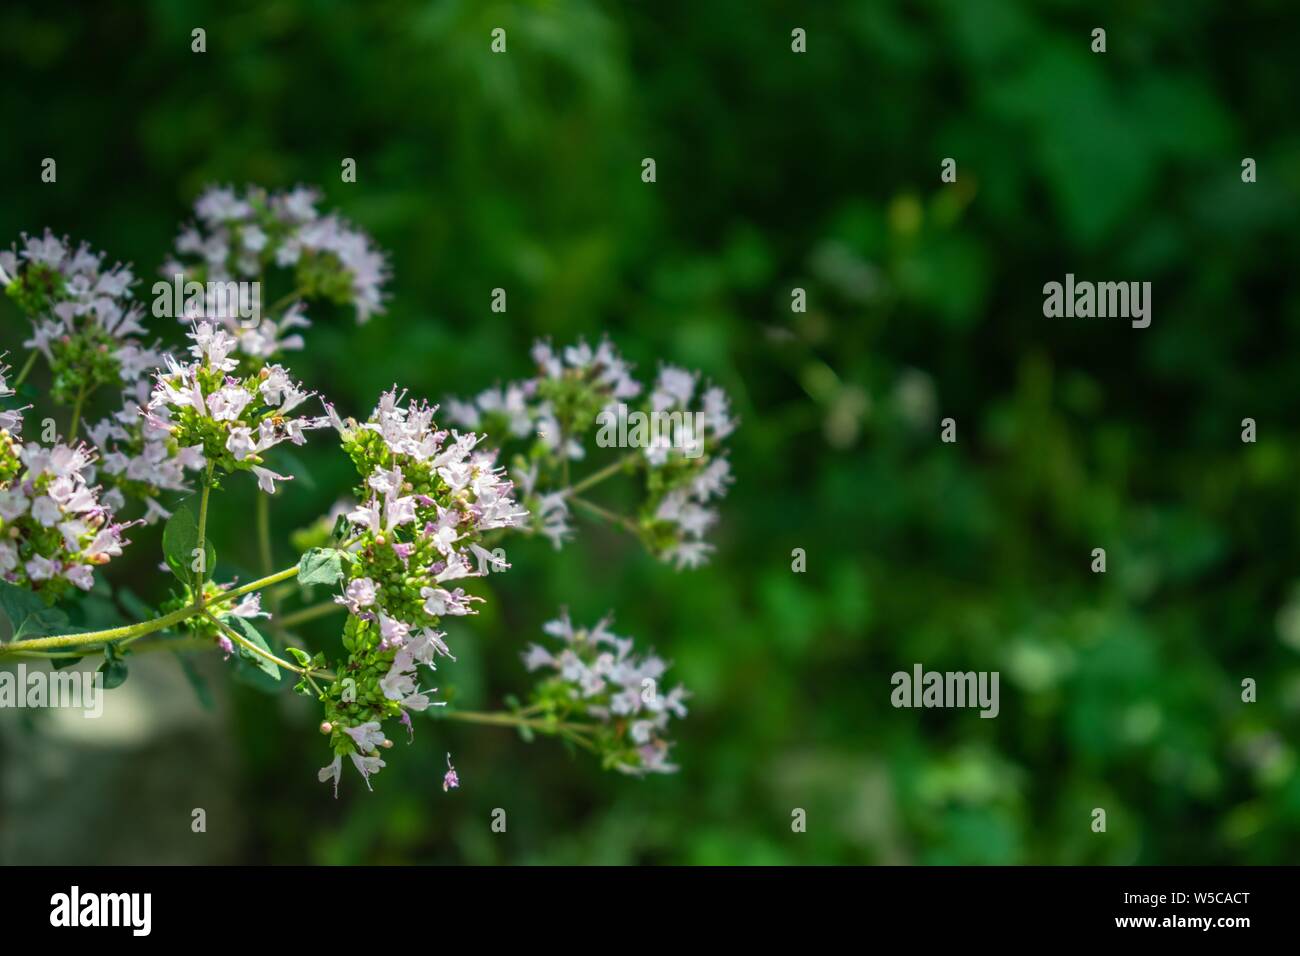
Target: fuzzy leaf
{"points": [[321, 566], [113, 668], [196, 681], [28, 614], [180, 539], [251, 634]]}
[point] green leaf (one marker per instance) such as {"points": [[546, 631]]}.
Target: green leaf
{"points": [[196, 681], [28, 615], [299, 655], [92, 612], [113, 668], [132, 604], [321, 566], [250, 675], [180, 540], [251, 634]]}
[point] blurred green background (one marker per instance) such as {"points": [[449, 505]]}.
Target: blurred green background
{"points": [[775, 170]]}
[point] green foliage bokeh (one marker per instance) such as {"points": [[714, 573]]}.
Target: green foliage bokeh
{"points": [[774, 171]]}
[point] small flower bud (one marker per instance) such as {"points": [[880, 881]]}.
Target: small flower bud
{"points": [[327, 728]]}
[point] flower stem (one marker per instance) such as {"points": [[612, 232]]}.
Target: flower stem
{"points": [[284, 300], [203, 536], [502, 719], [627, 524], [252, 648], [27, 367], [130, 632], [76, 414], [264, 543], [596, 477], [307, 614]]}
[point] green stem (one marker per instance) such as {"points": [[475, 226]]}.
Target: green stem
{"points": [[308, 614], [252, 648], [596, 477], [500, 719], [172, 644], [281, 302], [130, 632], [264, 531], [621, 521], [27, 367], [564, 456], [264, 544], [76, 414], [48, 655], [203, 536], [547, 725]]}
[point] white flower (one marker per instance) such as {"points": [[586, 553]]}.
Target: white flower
{"points": [[368, 736], [266, 479], [605, 684], [367, 766], [359, 593], [333, 771], [249, 607], [41, 568]]}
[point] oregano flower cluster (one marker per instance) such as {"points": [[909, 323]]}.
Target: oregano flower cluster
{"points": [[223, 419], [596, 683], [54, 530], [396, 556], [579, 399], [427, 498], [140, 456], [84, 321], [244, 235]]}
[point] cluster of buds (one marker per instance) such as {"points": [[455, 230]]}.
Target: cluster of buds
{"points": [[208, 626], [596, 680], [216, 417], [83, 319], [427, 498], [54, 530], [676, 436], [249, 235]]}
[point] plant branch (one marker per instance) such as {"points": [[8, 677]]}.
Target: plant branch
{"points": [[502, 719], [130, 632], [76, 414], [203, 536], [264, 543], [596, 477], [307, 614], [622, 521], [252, 648], [27, 367]]}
